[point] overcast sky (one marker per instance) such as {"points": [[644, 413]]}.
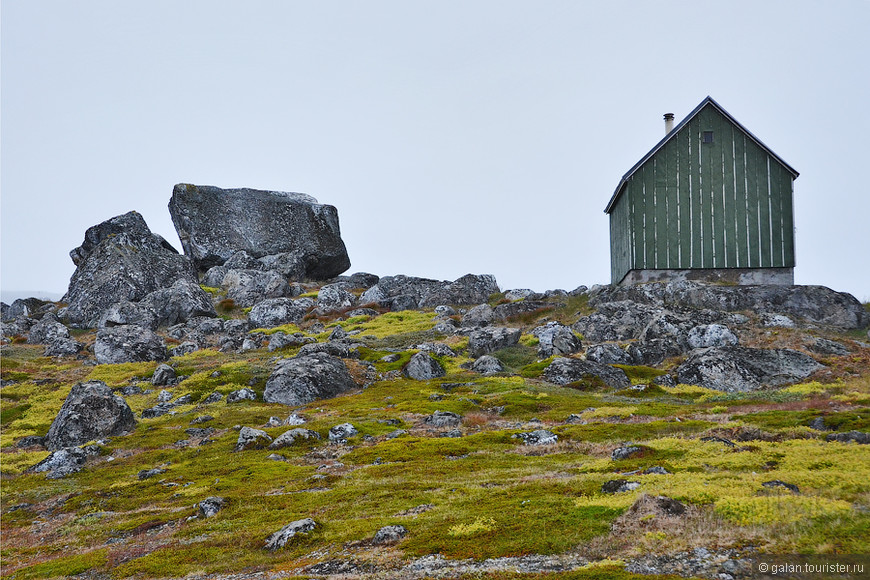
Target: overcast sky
{"points": [[452, 136]]}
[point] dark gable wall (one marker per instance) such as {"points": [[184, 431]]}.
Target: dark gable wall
{"points": [[726, 204]]}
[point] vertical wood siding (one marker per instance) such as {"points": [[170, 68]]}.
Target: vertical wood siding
{"points": [[726, 204]]}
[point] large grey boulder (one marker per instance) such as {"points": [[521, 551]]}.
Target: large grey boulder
{"points": [[423, 367], [180, 302], [214, 223], [47, 330], [332, 297], [90, 411], [306, 378], [121, 259], [277, 311], [128, 343], [491, 339], [740, 369], [564, 371]]}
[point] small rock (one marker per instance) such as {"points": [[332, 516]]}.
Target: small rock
{"points": [[280, 538], [856, 436], [342, 432], [625, 452], [293, 420], [453, 433], [210, 506], [443, 419], [423, 367], [149, 473], [290, 437], [390, 535], [241, 395], [487, 365], [619, 486], [657, 469], [538, 437], [164, 375], [164, 396], [212, 398], [250, 438], [778, 483]]}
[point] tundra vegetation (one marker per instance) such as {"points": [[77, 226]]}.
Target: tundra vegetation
{"points": [[469, 491]]}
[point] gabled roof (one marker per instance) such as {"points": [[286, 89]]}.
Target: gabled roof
{"points": [[708, 101]]}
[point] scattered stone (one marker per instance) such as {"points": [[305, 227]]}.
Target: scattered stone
{"points": [[443, 419], [293, 420], [779, 483], [423, 367], [64, 462], [396, 434], [30, 441], [856, 436], [453, 433], [621, 453], [91, 411], [240, 395], [149, 473], [619, 486], [727, 442], [491, 339], [212, 398], [306, 378], [539, 437], [290, 437], [391, 358], [128, 343], [341, 433], [280, 538], [487, 365], [250, 438], [199, 432], [564, 371], [163, 375], [390, 535], [210, 506], [656, 469], [213, 224], [333, 297]]}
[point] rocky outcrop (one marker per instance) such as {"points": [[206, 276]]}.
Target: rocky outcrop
{"points": [[487, 365], [734, 368], [817, 304], [306, 378], [564, 371], [408, 292], [121, 259], [214, 223], [556, 339], [128, 343], [90, 411]]}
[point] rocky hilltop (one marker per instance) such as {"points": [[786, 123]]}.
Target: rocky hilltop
{"points": [[243, 408]]}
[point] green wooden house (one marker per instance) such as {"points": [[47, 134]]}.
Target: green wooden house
{"points": [[709, 202]]}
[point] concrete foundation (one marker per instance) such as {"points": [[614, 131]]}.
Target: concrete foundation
{"points": [[740, 276]]}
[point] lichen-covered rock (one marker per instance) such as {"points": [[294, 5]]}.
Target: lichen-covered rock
{"points": [[609, 354], [163, 375], [619, 486], [491, 339], [740, 369], [707, 335], [480, 315], [250, 438], [469, 289], [64, 462], [424, 292], [564, 371], [90, 411], [538, 437], [487, 365], [121, 259], [288, 438], [128, 343], [214, 223], [47, 330], [443, 419], [556, 339], [63, 347], [342, 432], [390, 535], [210, 506], [280, 538], [423, 367], [333, 297], [248, 287], [621, 320], [306, 378], [277, 311], [180, 302]]}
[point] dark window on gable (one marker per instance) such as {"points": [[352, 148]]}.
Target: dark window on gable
{"points": [[708, 137]]}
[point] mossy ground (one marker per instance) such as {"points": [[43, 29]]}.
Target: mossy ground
{"points": [[482, 495]]}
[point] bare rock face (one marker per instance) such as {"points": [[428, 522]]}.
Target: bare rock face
{"points": [[740, 369], [303, 379], [214, 223], [122, 260], [90, 411], [564, 371]]}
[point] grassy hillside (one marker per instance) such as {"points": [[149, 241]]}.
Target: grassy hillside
{"points": [[482, 495]]}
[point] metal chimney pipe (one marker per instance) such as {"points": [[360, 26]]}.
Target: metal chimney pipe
{"points": [[669, 123]]}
